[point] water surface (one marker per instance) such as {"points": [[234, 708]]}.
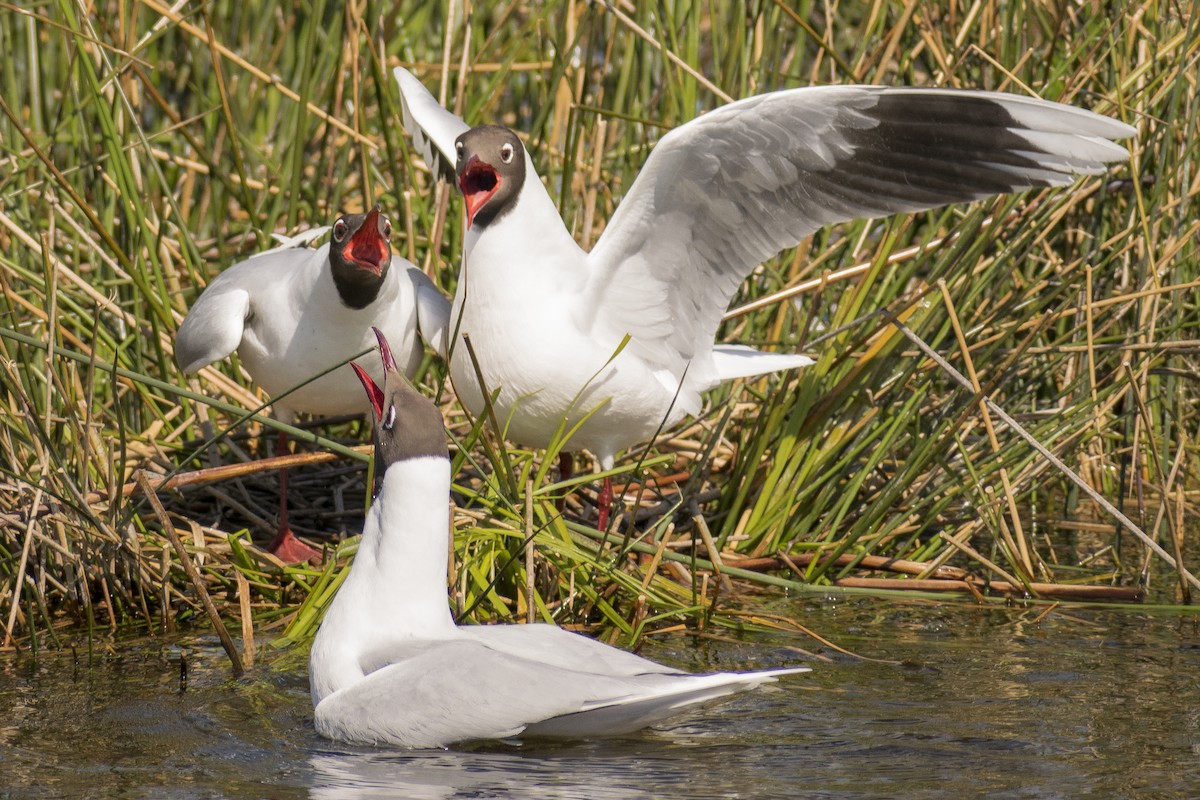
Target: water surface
{"points": [[963, 702]]}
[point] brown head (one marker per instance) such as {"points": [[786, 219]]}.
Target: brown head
{"points": [[360, 253], [490, 171], [407, 424]]}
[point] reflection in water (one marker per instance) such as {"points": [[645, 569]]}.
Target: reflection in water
{"points": [[428, 775], [975, 703]]}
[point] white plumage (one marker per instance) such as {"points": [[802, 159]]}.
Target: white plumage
{"points": [[389, 666], [716, 197], [293, 314], [282, 315]]}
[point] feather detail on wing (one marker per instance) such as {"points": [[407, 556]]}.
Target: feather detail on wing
{"points": [[215, 323], [732, 361], [433, 311], [734, 187], [213, 327], [653, 704], [433, 129], [302, 239], [415, 695], [423, 701]]}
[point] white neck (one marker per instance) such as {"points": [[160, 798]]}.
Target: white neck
{"points": [[531, 226], [396, 588]]}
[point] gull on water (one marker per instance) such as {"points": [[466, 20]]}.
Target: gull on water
{"points": [[389, 666]]}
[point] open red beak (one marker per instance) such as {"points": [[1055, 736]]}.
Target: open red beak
{"points": [[385, 352], [374, 393], [478, 182], [367, 247]]}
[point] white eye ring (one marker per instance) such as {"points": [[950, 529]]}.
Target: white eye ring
{"points": [[385, 227], [458, 149], [339, 230], [506, 153], [389, 419]]}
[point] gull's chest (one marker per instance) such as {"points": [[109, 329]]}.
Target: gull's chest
{"points": [[301, 328], [524, 317]]}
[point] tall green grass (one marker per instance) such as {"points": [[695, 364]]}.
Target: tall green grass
{"points": [[143, 149]]}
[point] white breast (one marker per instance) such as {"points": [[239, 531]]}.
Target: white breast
{"points": [[300, 328], [529, 326]]}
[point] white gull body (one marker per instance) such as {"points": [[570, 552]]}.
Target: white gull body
{"points": [[296, 314], [717, 196], [282, 314], [389, 666]]}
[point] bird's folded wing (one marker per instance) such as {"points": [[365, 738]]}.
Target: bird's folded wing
{"points": [[302, 239], [433, 129], [551, 645], [450, 691], [215, 323], [660, 698], [730, 189], [213, 326], [433, 311], [440, 691]]}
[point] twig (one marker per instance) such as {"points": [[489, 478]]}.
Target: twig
{"points": [[201, 477], [530, 605], [978, 556], [882, 563], [1018, 532], [243, 589], [1066, 590], [192, 573]]}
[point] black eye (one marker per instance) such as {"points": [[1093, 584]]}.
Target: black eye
{"points": [[458, 149], [389, 419], [385, 227], [506, 153], [340, 229]]}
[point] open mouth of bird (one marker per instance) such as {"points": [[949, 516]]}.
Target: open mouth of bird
{"points": [[478, 182], [367, 249], [374, 393]]}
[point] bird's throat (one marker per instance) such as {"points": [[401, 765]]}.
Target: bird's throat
{"points": [[404, 551]]}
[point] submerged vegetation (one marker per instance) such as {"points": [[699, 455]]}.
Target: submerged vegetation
{"points": [[146, 146]]}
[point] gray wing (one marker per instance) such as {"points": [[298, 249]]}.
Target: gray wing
{"points": [[661, 698], [551, 645], [447, 691], [431, 693], [214, 324], [433, 129], [730, 189], [433, 310]]}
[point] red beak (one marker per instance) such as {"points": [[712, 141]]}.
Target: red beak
{"points": [[367, 246], [478, 182], [385, 352], [374, 393]]}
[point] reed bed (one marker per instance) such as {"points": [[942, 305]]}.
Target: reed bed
{"points": [[144, 146]]}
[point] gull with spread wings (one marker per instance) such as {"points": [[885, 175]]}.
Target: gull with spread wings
{"points": [[716, 197]]}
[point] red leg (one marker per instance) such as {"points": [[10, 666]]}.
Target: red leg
{"points": [[286, 547], [604, 500]]}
